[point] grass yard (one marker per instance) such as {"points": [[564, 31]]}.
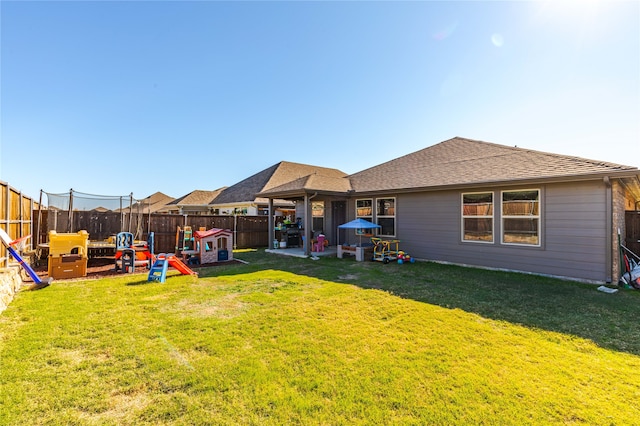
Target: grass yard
{"points": [[284, 341]]}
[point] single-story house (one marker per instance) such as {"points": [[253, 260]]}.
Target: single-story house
{"points": [[482, 204], [241, 198]]}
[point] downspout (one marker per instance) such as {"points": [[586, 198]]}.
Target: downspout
{"points": [[308, 221], [609, 228]]}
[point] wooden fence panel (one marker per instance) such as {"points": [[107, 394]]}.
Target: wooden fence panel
{"points": [[249, 231], [15, 217]]}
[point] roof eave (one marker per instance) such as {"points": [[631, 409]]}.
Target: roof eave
{"points": [[301, 193], [506, 183]]}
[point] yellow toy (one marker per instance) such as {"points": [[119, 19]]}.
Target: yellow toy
{"points": [[385, 250], [66, 243]]}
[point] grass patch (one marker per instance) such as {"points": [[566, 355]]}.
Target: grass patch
{"points": [[333, 341]]}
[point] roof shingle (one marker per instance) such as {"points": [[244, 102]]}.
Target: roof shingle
{"points": [[283, 173], [461, 161], [197, 198]]}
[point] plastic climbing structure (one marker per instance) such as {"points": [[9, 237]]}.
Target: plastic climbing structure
{"points": [[385, 250]]}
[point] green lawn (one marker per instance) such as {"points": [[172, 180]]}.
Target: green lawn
{"points": [[333, 342]]}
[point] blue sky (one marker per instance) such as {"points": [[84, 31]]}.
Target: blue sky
{"points": [[118, 97]]}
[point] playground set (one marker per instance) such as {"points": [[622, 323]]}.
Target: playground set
{"points": [[130, 253], [68, 257]]}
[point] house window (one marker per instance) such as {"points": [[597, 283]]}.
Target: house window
{"points": [[521, 217], [364, 209], [317, 215], [386, 216], [477, 217]]}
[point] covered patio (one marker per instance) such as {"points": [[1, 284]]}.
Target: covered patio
{"points": [[300, 252], [330, 192]]}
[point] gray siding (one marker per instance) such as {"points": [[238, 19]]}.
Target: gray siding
{"points": [[573, 231]]}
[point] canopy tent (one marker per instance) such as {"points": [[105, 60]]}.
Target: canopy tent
{"points": [[357, 224]]}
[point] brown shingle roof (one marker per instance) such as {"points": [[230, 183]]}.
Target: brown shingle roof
{"points": [[314, 182], [154, 202], [197, 198], [461, 161], [275, 176]]}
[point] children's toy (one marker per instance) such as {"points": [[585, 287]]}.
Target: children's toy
{"points": [[68, 243], [631, 276], [68, 254], [385, 250], [319, 245], [405, 257], [9, 244], [130, 254], [158, 271], [184, 239], [214, 245]]}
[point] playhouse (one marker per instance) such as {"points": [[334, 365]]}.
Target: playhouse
{"points": [[214, 245]]}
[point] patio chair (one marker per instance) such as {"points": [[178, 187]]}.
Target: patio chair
{"points": [[319, 245]]}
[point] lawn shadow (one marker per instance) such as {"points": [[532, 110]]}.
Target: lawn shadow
{"points": [[141, 282]]}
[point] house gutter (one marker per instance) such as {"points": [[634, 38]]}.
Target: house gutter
{"points": [[503, 183]]}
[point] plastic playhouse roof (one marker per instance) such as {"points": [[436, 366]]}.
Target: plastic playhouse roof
{"points": [[211, 233]]}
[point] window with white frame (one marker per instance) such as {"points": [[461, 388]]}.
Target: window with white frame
{"points": [[364, 209], [477, 216], [317, 215], [521, 217], [386, 216]]}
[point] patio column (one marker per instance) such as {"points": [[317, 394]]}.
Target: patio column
{"points": [[308, 221], [271, 224], [307, 225]]}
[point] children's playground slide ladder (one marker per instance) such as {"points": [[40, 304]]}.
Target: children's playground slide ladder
{"points": [[158, 271]]}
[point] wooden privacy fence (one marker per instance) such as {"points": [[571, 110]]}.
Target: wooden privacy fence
{"points": [[249, 231], [16, 213]]}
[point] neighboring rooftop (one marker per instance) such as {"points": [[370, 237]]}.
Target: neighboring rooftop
{"points": [[197, 197], [154, 202]]}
